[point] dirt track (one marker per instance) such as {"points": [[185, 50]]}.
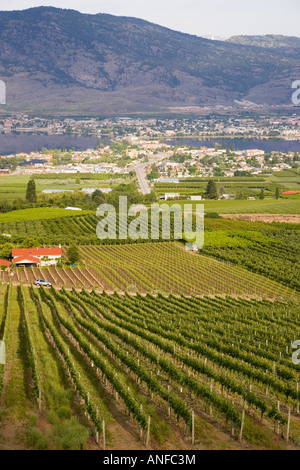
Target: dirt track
{"points": [[287, 218]]}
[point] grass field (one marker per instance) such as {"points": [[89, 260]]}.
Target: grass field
{"points": [[14, 186]]}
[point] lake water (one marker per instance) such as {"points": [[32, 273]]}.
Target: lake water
{"points": [[242, 144], [14, 143]]}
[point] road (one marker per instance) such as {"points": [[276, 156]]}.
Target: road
{"points": [[141, 175], [142, 179]]}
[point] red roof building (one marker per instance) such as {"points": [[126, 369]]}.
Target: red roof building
{"points": [[4, 262], [291, 192], [38, 252], [26, 261]]}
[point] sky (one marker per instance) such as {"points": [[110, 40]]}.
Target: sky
{"points": [[221, 18]]}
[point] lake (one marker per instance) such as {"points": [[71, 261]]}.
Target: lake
{"points": [[14, 143], [268, 145]]}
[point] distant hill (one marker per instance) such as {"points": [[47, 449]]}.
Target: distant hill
{"points": [[290, 44], [65, 62]]}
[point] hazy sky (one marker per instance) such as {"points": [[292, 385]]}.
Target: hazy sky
{"points": [[201, 17]]}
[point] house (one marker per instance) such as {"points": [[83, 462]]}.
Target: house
{"points": [[4, 262], [35, 257], [26, 261]]}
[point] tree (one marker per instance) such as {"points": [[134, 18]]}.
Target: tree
{"points": [[30, 243], [262, 194], [211, 190], [296, 158], [31, 192], [277, 193], [73, 254], [98, 197], [154, 174], [6, 250], [6, 207]]}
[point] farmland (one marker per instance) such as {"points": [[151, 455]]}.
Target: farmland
{"points": [[268, 249], [168, 268], [146, 345], [13, 186], [249, 186], [101, 365], [70, 277], [269, 206], [50, 226], [163, 267]]}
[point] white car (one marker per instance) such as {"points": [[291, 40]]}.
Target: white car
{"points": [[42, 282]]}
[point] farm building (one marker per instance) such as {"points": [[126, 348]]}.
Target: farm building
{"points": [[34, 257]]}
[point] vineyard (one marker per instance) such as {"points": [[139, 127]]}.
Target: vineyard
{"points": [[272, 250], [168, 268], [68, 277], [148, 267], [151, 371], [50, 226]]}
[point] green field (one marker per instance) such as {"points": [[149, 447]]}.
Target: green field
{"points": [[267, 206], [39, 213], [14, 186], [247, 186]]}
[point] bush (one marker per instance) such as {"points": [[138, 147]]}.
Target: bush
{"points": [[36, 439], [70, 434], [32, 419], [52, 417], [64, 412], [61, 397], [212, 215]]}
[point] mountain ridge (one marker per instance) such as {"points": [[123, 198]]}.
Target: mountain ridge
{"points": [[64, 61]]}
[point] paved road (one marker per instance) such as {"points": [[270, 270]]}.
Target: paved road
{"points": [[141, 174], [142, 179]]}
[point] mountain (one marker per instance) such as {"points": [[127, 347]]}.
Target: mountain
{"points": [[59, 61], [286, 44]]}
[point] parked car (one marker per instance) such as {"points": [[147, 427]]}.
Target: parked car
{"points": [[42, 282]]}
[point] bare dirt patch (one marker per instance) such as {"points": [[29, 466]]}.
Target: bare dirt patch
{"points": [[286, 218]]}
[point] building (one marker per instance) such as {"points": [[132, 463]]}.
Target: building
{"points": [[4, 262], [253, 152], [35, 257], [171, 195]]}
